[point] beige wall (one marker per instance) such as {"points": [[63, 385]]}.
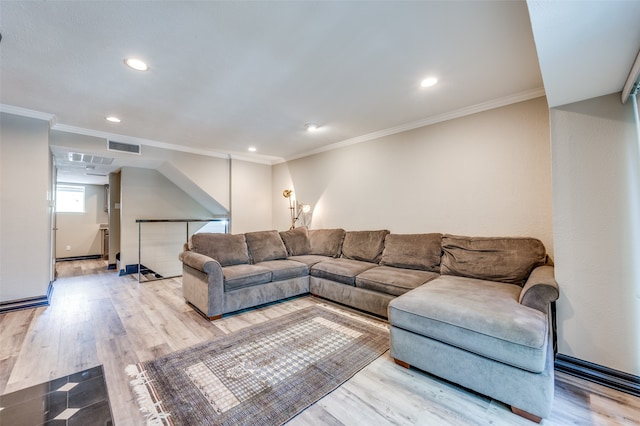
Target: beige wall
{"points": [[81, 231], [25, 207], [596, 176], [251, 204], [146, 194], [114, 217], [204, 178], [486, 174]]}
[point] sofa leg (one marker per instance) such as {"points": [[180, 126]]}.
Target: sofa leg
{"points": [[402, 363], [195, 308], [526, 415]]}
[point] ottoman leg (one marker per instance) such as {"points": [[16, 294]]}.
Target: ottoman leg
{"points": [[525, 414], [401, 363]]}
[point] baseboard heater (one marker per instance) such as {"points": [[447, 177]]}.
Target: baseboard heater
{"points": [[600, 374], [27, 303], [69, 259]]}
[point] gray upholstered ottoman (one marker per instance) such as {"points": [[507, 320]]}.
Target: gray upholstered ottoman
{"points": [[476, 333]]}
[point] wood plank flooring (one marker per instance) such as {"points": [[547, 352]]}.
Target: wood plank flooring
{"points": [[97, 317]]}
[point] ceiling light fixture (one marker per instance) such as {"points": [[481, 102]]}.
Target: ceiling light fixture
{"points": [[252, 149], [136, 64], [428, 82], [311, 127], [113, 119]]}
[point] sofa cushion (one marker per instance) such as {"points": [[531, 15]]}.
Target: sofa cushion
{"points": [[340, 270], [309, 259], [227, 249], [508, 260], [393, 281], [366, 246], [326, 242], [265, 245], [296, 241], [241, 276], [285, 269], [483, 317], [412, 251]]}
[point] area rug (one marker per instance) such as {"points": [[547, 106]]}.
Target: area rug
{"points": [[263, 374]]}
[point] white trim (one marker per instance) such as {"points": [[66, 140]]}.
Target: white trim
{"points": [[271, 160], [141, 141], [24, 112], [632, 79], [133, 140], [462, 112], [54, 125]]}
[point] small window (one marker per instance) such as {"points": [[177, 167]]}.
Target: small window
{"points": [[70, 199]]}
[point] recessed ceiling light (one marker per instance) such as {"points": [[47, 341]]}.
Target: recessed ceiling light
{"points": [[311, 127], [252, 149], [428, 82], [136, 64], [113, 119]]}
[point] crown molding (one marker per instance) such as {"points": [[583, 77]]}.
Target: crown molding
{"points": [[24, 112], [163, 145], [633, 80], [271, 160], [54, 125], [134, 140], [462, 112], [264, 159]]}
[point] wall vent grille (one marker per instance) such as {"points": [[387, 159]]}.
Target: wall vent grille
{"points": [[123, 147], [78, 157]]}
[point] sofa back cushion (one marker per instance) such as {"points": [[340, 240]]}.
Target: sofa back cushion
{"points": [[227, 249], [507, 260], [366, 246], [326, 242], [296, 241], [265, 245], [412, 251]]}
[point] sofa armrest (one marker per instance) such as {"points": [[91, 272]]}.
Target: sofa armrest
{"points": [[200, 262], [203, 283], [540, 289]]}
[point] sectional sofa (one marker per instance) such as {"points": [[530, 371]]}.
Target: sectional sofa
{"points": [[475, 311]]}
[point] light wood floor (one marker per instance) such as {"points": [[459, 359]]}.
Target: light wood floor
{"points": [[97, 317]]}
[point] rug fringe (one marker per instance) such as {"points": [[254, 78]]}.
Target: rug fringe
{"points": [[150, 407]]}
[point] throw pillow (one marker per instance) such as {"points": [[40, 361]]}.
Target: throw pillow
{"points": [[412, 251], [366, 246], [326, 242], [508, 260], [297, 241], [227, 249], [265, 245]]}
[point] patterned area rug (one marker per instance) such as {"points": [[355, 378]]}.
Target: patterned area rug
{"points": [[264, 374]]}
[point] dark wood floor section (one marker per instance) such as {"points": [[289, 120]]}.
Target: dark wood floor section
{"points": [[99, 318]]}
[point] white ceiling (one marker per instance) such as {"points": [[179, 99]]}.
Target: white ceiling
{"points": [[585, 48], [229, 75]]}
